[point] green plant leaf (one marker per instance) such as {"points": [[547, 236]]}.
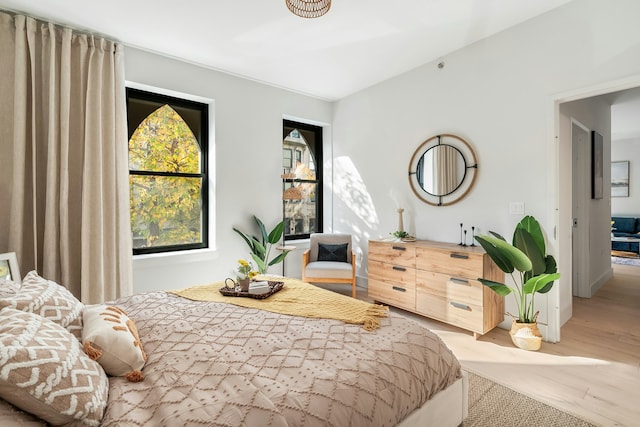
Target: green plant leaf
{"points": [[498, 235], [262, 267], [247, 239], [524, 241], [276, 233], [499, 288], [263, 230], [259, 249], [279, 258], [551, 266], [516, 258], [530, 224], [540, 283], [501, 261]]}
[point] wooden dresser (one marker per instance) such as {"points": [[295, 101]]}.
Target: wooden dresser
{"points": [[437, 280]]}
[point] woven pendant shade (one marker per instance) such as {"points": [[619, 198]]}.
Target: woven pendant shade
{"points": [[309, 8]]}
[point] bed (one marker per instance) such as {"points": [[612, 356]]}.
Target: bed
{"points": [[215, 363]]}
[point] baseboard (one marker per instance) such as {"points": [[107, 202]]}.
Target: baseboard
{"points": [[595, 286]]}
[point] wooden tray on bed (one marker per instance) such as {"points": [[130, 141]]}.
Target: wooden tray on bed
{"points": [[274, 287]]}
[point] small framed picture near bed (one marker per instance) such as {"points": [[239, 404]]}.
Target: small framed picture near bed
{"points": [[620, 179], [597, 165], [9, 267]]}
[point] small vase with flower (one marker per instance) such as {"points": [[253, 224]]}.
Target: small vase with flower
{"points": [[244, 273]]}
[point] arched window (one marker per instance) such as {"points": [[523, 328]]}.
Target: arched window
{"points": [[302, 179], [167, 172]]}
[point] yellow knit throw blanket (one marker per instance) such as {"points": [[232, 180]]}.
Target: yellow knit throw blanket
{"points": [[298, 298]]}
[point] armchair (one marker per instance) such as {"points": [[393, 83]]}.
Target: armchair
{"points": [[330, 259]]}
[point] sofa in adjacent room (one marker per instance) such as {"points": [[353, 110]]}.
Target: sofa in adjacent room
{"points": [[625, 227]]}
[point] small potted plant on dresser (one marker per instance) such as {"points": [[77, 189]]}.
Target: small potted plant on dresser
{"points": [[533, 271]]}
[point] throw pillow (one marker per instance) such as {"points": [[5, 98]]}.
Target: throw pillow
{"points": [[48, 299], [8, 288], [111, 338], [44, 371], [328, 252]]}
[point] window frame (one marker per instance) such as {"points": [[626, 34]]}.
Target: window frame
{"points": [[317, 153], [202, 138]]}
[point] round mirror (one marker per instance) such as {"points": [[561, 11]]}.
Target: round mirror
{"points": [[442, 170]]}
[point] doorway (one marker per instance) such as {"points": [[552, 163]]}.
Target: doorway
{"points": [[590, 107]]}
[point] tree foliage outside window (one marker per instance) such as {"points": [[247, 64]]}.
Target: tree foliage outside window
{"points": [[167, 179]]}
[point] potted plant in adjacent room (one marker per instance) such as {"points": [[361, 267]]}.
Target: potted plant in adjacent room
{"points": [[261, 246], [532, 271]]}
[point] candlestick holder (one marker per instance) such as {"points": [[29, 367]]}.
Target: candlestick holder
{"points": [[461, 244], [465, 238], [473, 236]]}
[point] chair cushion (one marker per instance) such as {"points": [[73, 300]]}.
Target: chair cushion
{"points": [[329, 270], [328, 252]]}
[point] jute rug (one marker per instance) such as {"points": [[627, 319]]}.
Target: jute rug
{"points": [[494, 405]]}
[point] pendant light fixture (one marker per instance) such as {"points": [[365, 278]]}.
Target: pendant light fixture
{"points": [[309, 8]]}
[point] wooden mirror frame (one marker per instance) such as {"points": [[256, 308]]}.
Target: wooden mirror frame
{"points": [[468, 179]]}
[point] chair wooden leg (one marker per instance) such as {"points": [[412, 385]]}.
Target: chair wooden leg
{"points": [[353, 289]]}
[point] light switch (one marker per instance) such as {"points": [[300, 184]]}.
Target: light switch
{"points": [[516, 208]]}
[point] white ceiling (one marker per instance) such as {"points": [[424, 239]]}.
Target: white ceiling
{"points": [[357, 44]]}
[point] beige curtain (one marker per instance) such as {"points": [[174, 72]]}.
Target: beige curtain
{"points": [[69, 194], [446, 169]]}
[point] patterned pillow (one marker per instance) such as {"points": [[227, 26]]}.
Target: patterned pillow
{"points": [[44, 371], [48, 299], [8, 288], [111, 338]]}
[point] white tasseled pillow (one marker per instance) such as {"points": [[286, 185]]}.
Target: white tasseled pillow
{"points": [[111, 338]]}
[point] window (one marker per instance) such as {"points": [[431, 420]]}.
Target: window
{"points": [[302, 180], [168, 140], [287, 161]]}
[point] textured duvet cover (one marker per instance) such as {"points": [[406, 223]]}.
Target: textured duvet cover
{"points": [[217, 364]]}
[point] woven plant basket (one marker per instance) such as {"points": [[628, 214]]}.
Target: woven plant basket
{"points": [[526, 336]]}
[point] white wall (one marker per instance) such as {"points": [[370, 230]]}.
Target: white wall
{"points": [[628, 149], [499, 95], [246, 142]]}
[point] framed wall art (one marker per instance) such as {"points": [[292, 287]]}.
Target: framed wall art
{"points": [[597, 165], [620, 179], [9, 267]]}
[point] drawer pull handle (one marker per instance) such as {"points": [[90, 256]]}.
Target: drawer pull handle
{"points": [[399, 289], [399, 248], [459, 281], [460, 306], [459, 256], [395, 267]]}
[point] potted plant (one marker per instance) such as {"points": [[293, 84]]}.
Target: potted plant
{"points": [[532, 271], [261, 246]]}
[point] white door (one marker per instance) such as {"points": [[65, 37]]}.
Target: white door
{"points": [[581, 149]]}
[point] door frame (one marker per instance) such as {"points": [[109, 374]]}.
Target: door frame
{"points": [[561, 184]]}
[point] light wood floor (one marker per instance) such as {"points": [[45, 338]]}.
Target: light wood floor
{"points": [[593, 372]]}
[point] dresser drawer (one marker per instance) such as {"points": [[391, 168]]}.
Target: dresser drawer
{"points": [[450, 287], [403, 296], [394, 273], [457, 313], [456, 263], [393, 253]]}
